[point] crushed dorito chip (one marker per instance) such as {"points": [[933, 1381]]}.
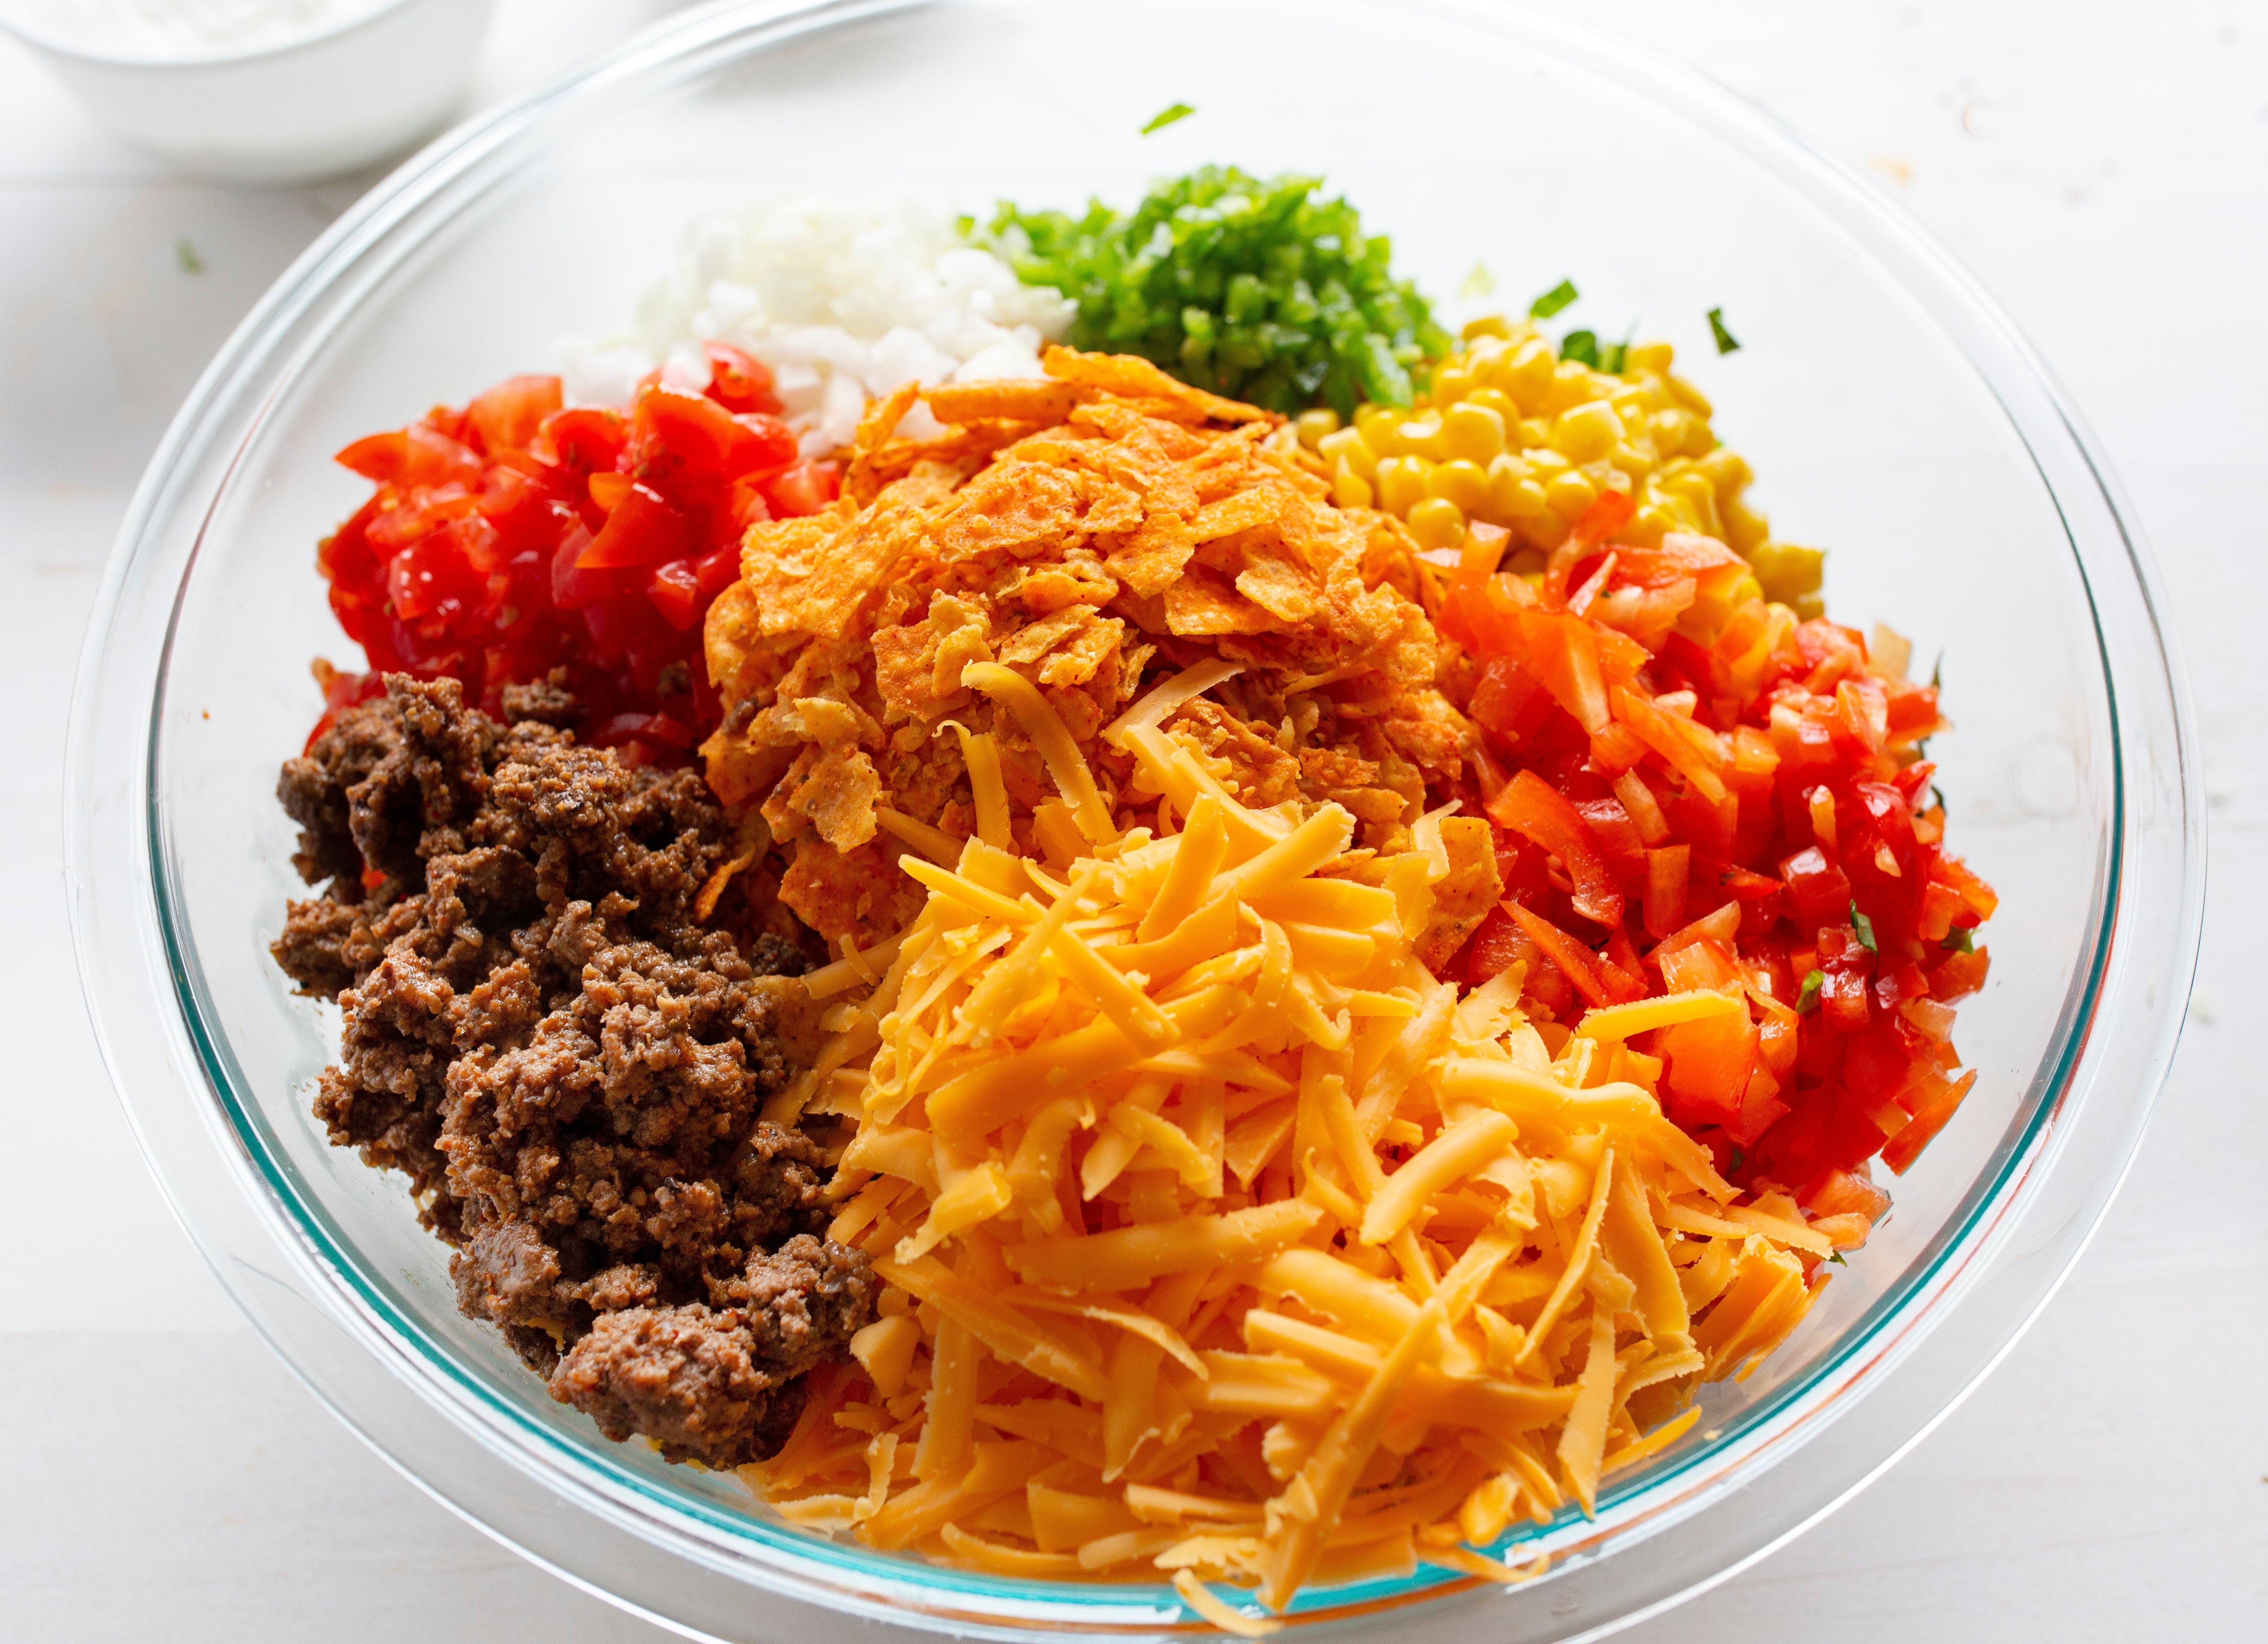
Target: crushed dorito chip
{"points": [[1092, 533]]}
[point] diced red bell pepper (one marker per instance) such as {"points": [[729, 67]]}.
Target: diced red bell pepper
{"points": [[1707, 1062], [1817, 887], [1529, 807], [1575, 962]]}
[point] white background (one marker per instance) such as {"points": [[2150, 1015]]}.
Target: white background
{"points": [[2102, 168]]}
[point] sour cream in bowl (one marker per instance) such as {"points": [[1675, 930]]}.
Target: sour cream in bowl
{"points": [[260, 88]]}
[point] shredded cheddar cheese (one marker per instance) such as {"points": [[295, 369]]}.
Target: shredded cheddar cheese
{"points": [[1225, 1244]]}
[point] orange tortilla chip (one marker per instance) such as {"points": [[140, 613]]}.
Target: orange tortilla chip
{"points": [[1273, 580], [1015, 399], [1131, 376], [1202, 602]]}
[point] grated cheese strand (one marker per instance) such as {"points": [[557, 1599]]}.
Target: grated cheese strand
{"points": [[1204, 1201]]}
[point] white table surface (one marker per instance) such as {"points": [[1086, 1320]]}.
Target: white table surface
{"points": [[2102, 168]]}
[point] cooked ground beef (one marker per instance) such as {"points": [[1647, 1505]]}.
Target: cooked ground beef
{"points": [[568, 1064]]}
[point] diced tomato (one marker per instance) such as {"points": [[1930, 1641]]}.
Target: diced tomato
{"points": [[674, 588], [804, 487], [641, 529], [739, 381], [588, 439], [507, 416], [413, 456]]}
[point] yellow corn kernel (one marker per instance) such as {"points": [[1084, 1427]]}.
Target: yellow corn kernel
{"points": [[1346, 446], [1647, 526], [1401, 483], [1534, 434], [1452, 382], [1525, 373], [1634, 459], [1691, 398], [1475, 432], [1349, 489], [1571, 385], [1459, 481], [1497, 400], [1786, 572], [1745, 528], [1571, 494], [1587, 432], [1545, 532], [1545, 464], [1437, 522], [1692, 487], [1376, 423], [1420, 436], [1677, 432], [1632, 404], [1726, 469], [1487, 326], [1313, 426], [1512, 494], [1654, 356]]}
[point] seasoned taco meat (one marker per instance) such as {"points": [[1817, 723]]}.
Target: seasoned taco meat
{"points": [[569, 1064]]}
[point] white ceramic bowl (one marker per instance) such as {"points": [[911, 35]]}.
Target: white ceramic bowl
{"points": [[305, 106]]}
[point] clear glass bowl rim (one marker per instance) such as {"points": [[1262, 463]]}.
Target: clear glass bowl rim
{"points": [[445, 177]]}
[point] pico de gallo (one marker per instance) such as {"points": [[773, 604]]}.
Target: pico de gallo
{"points": [[1744, 812]]}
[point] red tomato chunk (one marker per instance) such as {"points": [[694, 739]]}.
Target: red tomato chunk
{"points": [[514, 538]]}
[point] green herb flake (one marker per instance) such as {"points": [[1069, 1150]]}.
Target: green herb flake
{"points": [[1582, 347], [1479, 283], [1734, 1160], [185, 255], [1260, 289], [1725, 341], [1959, 939], [1166, 115], [1864, 926], [1938, 794], [1613, 356], [1836, 1257], [1553, 300], [1807, 998]]}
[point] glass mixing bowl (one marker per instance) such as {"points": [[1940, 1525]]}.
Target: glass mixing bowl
{"points": [[1891, 411]]}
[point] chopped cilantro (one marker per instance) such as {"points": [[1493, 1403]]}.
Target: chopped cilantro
{"points": [[1864, 926], [1585, 348], [1259, 288], [1734, 1160], [1836, 1257], [1479, 283], [1938, 794], [1807, 997], [1725, 341], [1166, 115], [1959, 939], [185, 254], [1553, 300]]}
